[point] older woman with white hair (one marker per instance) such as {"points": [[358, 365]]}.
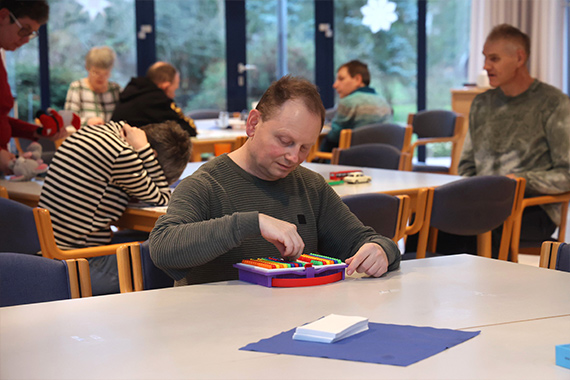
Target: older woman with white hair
{"points": [[94, 98]]}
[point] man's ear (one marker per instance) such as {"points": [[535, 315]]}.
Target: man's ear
{"points": [[253, 120], [164, 85], [358, 78], [521, 57]]}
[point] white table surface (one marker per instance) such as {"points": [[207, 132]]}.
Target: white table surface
{"points": [[195, 332], [383, 180], [210, 129]]}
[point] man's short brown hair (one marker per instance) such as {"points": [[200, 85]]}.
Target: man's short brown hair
{"points": [[355, 68], [290, 88], [161, 72], [511, 34], [172, 145], [35, 10]]}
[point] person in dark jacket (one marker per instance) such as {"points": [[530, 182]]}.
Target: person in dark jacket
{"points": [[150, 99]]}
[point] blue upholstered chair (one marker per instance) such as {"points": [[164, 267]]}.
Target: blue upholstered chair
{"points": [[397, 135], [17, 228], [29, 279], [381, 156], [137, 271], [438, 126], [386, 214], [555, 255], [204, 114], [472, 206]]}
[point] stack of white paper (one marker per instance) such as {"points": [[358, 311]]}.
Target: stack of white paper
{"points": [[331, 328]]}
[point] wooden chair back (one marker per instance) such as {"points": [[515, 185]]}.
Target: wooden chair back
{"points": [[561, 199], [396, 135], [49, 246], [382, 156], [28, 279], [439, 126], [555, 255], [472, 206], [386, 214], [137, 271]]}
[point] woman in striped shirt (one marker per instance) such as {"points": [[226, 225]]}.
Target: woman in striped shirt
{"points": [[94, 174]]}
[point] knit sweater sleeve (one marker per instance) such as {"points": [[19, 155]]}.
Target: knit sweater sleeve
{"points": [[557, 131], [341, 234], [188, 237]]}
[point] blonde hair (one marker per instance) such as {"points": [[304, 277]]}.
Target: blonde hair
{"points": [[101, 57]]}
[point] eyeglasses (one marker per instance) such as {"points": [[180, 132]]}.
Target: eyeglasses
{"points": [[24, 32]]}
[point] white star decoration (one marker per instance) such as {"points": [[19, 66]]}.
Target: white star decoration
{"points": [[94, 7], [379, 15]]}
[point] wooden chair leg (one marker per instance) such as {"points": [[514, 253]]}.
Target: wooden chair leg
{"points": [[484, 244]]}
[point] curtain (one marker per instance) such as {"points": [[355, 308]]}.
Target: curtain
{"points": [[541, 20]]}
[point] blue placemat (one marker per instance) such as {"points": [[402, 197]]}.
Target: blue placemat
{"points": [[381, 343]]}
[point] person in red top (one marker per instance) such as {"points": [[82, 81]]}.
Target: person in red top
{"points": [[19, 23]]}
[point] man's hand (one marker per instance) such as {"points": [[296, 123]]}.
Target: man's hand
{"points": [[282, 235], [134, 136], [370, 259], [5, 159]]}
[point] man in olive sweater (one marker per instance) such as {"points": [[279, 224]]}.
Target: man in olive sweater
{"points": [[258, 202], [520, 129]]}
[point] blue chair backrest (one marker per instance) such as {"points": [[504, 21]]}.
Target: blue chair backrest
{"points": [[17, 228], [381, 156], [29, 279], [379, 211], [563, 260], [474, 205], [153, 277], [436, 123], [381, 133]]}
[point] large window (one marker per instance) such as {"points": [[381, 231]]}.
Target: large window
{"points": [[22, 66], [447, 28], [75, 27], [262, 42], [383, 34], [191, 36]]}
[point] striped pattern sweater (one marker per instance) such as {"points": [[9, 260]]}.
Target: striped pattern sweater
{"points": [[91, 178], [212, 222]]}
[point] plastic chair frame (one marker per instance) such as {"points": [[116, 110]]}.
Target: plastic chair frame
{"points": [[484, 240], [563, 199], [457, 141], [52, 251]]}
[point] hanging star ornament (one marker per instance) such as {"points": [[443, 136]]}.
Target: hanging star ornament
{"points": [[94, 7], [379, 15]]}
